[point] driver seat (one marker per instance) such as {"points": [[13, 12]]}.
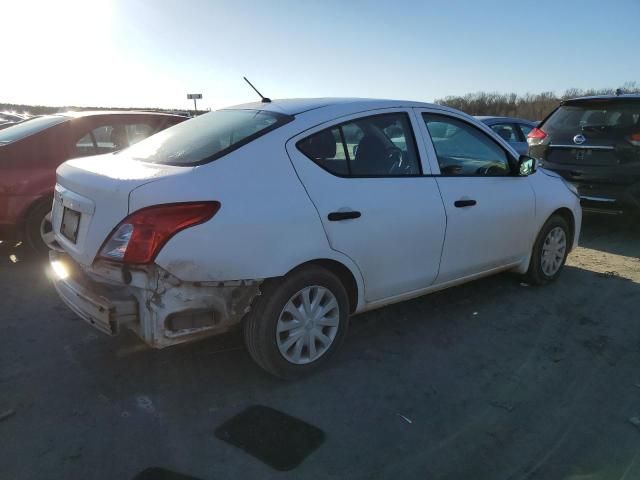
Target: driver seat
{"points": [[371, 157]]}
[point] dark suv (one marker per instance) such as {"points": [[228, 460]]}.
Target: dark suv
{"points": [[594, 143]]}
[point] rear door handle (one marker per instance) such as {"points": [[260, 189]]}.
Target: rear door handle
{"points": [[464, 203], [337, 216]]}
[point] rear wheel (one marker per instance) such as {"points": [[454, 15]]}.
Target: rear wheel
{"points": [[549, 252], [38, 229], [298, 322]]}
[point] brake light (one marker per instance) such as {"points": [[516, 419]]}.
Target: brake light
{"points": [[139, 237], [634, 139], [537, 134]]}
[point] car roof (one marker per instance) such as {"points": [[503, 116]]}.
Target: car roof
{"points": [[488, 118], [295, 106], [95, 113], [624, 96]]}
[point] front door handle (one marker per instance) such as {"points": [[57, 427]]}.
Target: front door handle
{"points": [[337, 216], [464, 203]]}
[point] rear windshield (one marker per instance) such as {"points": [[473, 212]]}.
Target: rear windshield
{"points": [[595, 115], [29, 127], [207, 137]]}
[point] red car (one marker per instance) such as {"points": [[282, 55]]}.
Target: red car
{"points": [[31, 151]]}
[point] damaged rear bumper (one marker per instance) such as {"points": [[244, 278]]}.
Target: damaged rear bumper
{"points": [[160, 308]]}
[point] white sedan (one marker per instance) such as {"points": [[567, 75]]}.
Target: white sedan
{"points": [[287, 217]]}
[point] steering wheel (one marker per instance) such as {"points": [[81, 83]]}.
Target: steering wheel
{"points": [[399, 165], [490, 170]]}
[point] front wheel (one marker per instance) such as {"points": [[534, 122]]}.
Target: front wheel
{"points": [[549, 252], [298, 322]]}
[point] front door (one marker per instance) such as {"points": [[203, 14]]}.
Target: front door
{"points": [[365, 178], [490, 211]]}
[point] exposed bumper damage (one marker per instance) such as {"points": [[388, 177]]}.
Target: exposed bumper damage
{"points": [[160, 308]]}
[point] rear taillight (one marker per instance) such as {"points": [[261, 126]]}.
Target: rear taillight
{"points": [[139, 237], [634, 139], [536, 134]]}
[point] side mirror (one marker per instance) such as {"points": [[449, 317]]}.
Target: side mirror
{"points": [[527, 165]]}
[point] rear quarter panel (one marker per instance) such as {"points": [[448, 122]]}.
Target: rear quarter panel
{"points": [[265, 227]]}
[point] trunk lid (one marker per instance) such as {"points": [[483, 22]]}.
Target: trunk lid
{"points": [[92, 198]]}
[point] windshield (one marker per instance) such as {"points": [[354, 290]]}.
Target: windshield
{"points": [[596, 115], [29, 127], [205, 138]]}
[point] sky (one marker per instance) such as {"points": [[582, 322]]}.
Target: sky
{"points": [[151, 53]]}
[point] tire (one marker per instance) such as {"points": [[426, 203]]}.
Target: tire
{"points": [[33, 224], [266, 345], [538, 274]]}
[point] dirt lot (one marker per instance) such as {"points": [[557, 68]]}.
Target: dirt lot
{"points": [[490, 380]]}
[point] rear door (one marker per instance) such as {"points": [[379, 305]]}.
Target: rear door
{"points": [[365, 177], [490, 212]]}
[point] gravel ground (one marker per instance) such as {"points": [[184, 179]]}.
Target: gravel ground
{"points": [[489, 380]]}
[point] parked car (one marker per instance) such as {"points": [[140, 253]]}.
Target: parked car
{"points": [[594, 142], [8, 119], [287, 217], [31, 151], [512, 130]]}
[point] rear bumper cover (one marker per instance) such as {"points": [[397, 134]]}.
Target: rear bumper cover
{"points": [[106, 308], [160, 308]]}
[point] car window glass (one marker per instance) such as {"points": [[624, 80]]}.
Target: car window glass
{"points": [[85, 146], [104, 139], [596, 116], [506, 131], [374, 146], [525, 129], [462, 149], [137, 132], [206, 137], [327, 150]]}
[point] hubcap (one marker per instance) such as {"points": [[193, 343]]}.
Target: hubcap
{"points": [[46, 233], [553, 250], [308, 325]]}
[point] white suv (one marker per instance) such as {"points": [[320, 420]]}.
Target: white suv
{"points": [[288, 217]]}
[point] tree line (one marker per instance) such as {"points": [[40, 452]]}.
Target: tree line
{"points": [[533, 106]]}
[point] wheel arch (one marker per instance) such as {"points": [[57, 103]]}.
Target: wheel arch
{"points": [[344, 274], [567, 215]]}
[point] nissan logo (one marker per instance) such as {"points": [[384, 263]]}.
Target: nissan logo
{"points": [[579, 139]]}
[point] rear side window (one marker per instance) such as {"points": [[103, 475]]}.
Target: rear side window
{"points": [[596, 115], [29, 127], [207, 137], [507, 131], [375, 146]]}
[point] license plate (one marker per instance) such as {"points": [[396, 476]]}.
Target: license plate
{"points": [[70, 224]]}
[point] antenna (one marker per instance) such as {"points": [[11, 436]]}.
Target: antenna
{"points": [[264, 99]]}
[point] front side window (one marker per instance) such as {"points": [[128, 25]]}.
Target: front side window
{"points": [[464, 150], [207, 137], [375, 146]]}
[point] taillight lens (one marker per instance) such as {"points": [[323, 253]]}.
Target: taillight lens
{"points": [[634, 139], [139, 237], [536, 134]]}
